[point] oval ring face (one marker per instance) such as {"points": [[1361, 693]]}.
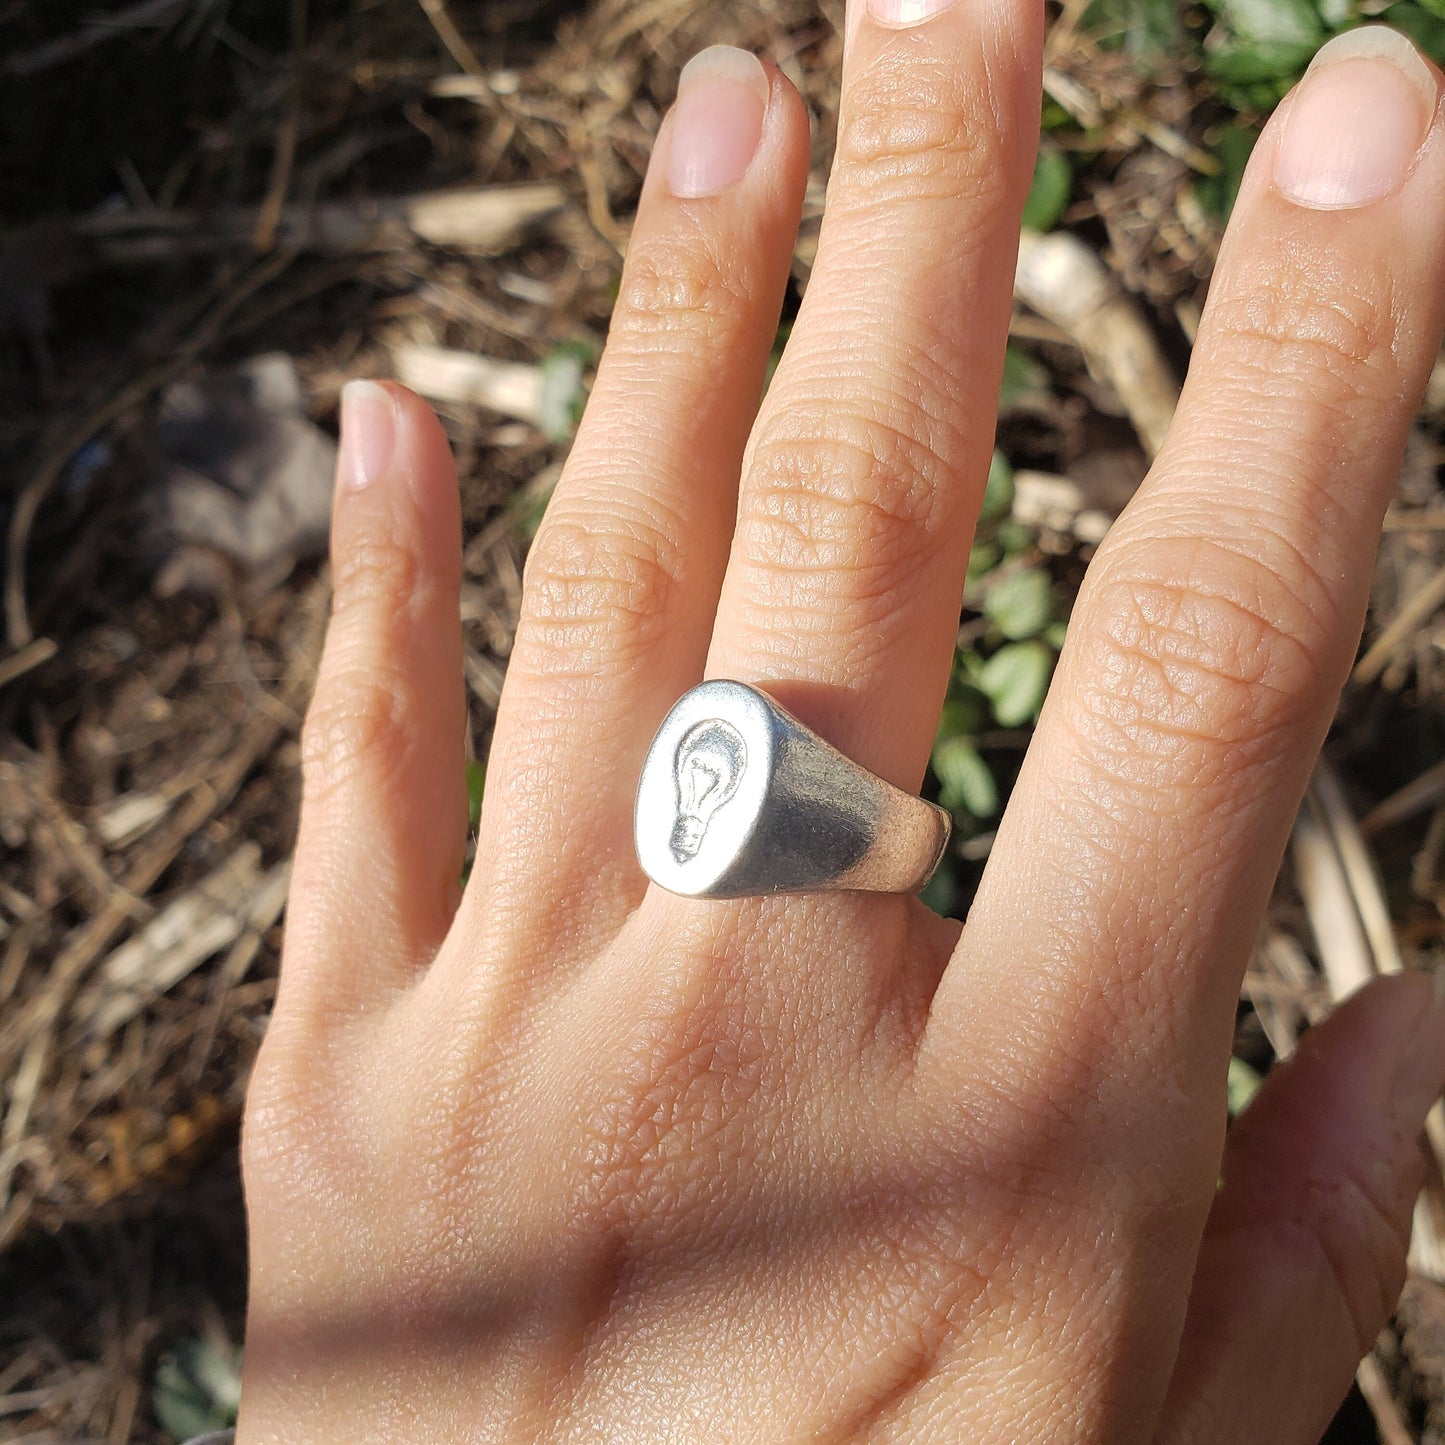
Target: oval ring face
{"points": [[703, 787]]}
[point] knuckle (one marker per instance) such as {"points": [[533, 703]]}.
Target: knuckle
{"points": [[595, 597], [359, 720], [376, 569], [908, 134], [866, 503], [1196, 644], [679, 287], [1319, 334]]}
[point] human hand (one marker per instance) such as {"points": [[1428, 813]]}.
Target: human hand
{"points": [[569, 1158]]}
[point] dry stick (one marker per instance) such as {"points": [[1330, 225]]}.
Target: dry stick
{"points": [[1416, 519], [452, 38], [1428, 600], [1360, 871], [1388, 1420], [481, 222], [1415, 797], [36, 654], [1064, 281], [100, 29], [1347, 908], [283, 160]]}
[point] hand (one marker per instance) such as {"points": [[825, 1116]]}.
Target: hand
{"points": [[569, 1158]]}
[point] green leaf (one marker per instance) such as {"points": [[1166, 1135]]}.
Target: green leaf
{"points": [[1271, 22], [1244, 1084], [1424, 23], [564, 389], [965, 781], [1250, 62], [1013, 537], [197, 1388], [1055, 635], [965, 714], [998, 495], [1049, 194], [1022, 377], [1016, 680], [1232, 149], [1148, 29], [1021, 604], [476, 786], [984, 557], [942, 893]]}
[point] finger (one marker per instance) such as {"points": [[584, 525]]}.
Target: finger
{"points": [[866, 471], [623, 579], [1304, 1254], [1219, 619], [384, 807]]}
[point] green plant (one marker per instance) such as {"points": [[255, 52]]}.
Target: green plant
{"points": [[197, 1387]]}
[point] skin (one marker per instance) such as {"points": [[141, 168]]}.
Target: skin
{"points": [[569, 1158]]}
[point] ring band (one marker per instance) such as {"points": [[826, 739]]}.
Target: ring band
{"points": [[738, 799]]}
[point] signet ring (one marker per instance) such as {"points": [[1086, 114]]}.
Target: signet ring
{"points": [[738, 799]]}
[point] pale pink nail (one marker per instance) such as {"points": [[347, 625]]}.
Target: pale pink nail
{"points": [[1356, 122], [907, 12], [368, 433], [722, 102]]}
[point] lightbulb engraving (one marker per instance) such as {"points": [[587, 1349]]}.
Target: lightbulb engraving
{"points": [[710, 761]]}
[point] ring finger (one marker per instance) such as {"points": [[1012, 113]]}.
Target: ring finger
{"points": [[867, 467]]}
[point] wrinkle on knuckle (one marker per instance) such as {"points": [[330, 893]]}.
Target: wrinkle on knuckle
{"points": [[596, 596], [871, 492], [360, 722], [1307, 336], [908, 135], [377, 569], [680, 288], [1198, 651]]}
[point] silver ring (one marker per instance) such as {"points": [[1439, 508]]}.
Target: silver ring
{"points": [[739, 799]]}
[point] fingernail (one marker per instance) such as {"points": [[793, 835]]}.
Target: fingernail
{"points": [[368, 433], [1422, 1077], [722, 99], [1356, 121], [907, 12]]}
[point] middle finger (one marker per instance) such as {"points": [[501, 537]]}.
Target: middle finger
{"points": [[867, 466]]}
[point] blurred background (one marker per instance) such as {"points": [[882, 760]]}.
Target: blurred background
{"points": [[213, 213]]}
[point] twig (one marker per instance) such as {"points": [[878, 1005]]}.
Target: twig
{"points": [[1428, 600], [283, 159], [1339, 934], [31, 656], [452, 38], [100, 28], [1389, 1423], [481, 222], [1415, 797], [1415, 519], [1064, 281], [510, 388], [1360, 872], [35, 1029]]}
